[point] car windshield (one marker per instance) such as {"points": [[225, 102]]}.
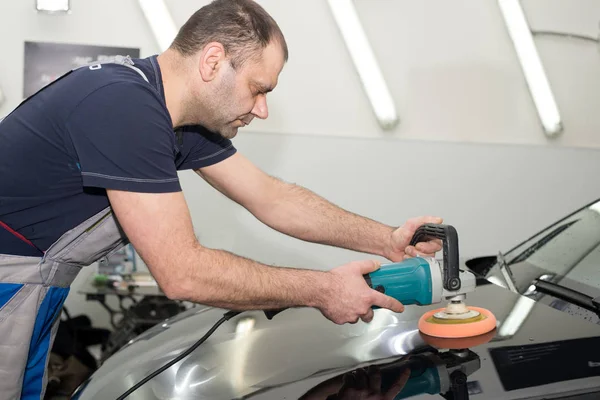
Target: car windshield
{"points": [[566, 253]]}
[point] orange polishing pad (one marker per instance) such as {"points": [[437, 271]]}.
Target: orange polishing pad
{"points": [[456, 328], [458, 343]]}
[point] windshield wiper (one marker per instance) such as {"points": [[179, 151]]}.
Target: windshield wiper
{"points": [[528, 252], [572, 296], [506, 273]]}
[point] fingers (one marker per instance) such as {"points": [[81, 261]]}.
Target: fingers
{"points": [[424, 249], [368, 317], [354, 298], [411, 251], [430, 247], [428, 219], [397, 387], [383, 301], [427, 247], [367, 266], [414, 223]]}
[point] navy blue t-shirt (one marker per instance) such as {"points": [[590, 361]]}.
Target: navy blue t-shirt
{"points": [[94, 129]]}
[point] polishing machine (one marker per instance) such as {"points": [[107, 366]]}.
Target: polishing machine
{"points": [[423, 280]]}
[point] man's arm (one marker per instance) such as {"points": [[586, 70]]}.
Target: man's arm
{"points": [[298, 212], [160, 229]]}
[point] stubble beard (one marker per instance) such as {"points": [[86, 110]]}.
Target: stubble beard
{"points": [[221, 108]]}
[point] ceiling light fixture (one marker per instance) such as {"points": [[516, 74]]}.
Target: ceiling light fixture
{"points": [[161, 22], [364, 60], [532, 67], [53, 6]]}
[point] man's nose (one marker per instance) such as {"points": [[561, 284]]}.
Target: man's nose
{"points": [[261, 110]]}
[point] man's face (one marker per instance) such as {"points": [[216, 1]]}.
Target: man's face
{"points": [[240, 95]]}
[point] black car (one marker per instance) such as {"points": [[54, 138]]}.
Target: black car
{"points": [[546, 344], [559, 266]]}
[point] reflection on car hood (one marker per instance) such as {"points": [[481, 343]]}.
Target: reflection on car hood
{"points": [[300, 353]]}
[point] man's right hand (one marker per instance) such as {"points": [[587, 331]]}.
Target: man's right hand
{"points": [[351, 298]]}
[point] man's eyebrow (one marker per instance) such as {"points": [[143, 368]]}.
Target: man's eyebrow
{"points": [[261, 87]]}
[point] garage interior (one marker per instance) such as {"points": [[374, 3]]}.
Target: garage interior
{"points": [[484, 113]]}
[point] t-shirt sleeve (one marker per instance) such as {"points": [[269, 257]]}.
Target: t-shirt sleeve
{"points": [[124, 139], [206, 147]]}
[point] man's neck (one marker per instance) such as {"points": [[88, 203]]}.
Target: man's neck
{"points": [[174, 85]]}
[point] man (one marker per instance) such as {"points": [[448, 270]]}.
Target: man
{"points": [[91, 161]]}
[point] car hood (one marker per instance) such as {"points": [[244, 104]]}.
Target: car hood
{"points": [[535, 350]]}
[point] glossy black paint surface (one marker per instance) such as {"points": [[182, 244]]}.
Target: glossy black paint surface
{"points": [[535, 351]]}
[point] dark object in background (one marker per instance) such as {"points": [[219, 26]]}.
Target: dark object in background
{"points": [[46, 61], [64, 376], [141, 316], [70, 362], [481, 265]]}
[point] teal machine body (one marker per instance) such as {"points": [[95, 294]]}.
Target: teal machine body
{"points": [[421, 280], [420, 382], [432, 372], [409, 281]]}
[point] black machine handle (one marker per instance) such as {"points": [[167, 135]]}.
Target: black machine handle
{"points": [[449, 238]]}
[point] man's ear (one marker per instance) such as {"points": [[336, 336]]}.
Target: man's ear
{"points": [[211, 59]]}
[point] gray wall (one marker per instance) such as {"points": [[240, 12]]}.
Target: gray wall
{"points": [[469, 146], [494, 195]]}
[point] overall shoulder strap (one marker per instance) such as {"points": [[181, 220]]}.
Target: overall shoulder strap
{"points": [[121, 60]]}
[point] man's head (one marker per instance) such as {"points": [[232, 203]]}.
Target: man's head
{"points": [[233, 52]]}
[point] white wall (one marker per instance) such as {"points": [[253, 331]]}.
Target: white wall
{"points": [[469, 146], [450, 66]]}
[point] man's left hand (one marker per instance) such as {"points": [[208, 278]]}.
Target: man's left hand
{"points": [[399, 248]]}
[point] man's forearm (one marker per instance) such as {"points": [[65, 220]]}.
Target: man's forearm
{"points": [[298, 212], [221, 279], [161, 230]]}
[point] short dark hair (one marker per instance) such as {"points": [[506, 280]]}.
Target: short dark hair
{"points": [[243, 27]]}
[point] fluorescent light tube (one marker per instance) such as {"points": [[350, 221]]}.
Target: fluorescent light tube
{"points": [[365, 63], [160, 20], [532, 67], [52, 6]]}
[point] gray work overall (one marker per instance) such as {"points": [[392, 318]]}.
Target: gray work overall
{"points": [[33, 290]]}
